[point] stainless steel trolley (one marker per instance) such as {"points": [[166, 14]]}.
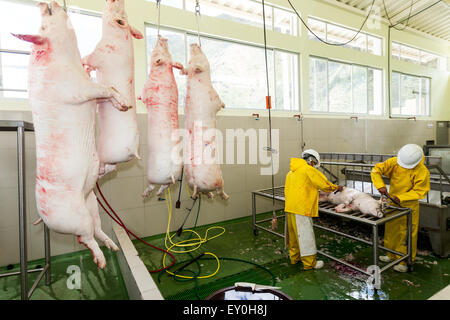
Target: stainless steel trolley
{"points": [[21, 127], [327, 208]]}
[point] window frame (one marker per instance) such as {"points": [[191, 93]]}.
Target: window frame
{"points": [[400, 96], [186, 33], [272, 8], [328, 112], [366, 34], [399, 58], [28, 53]]}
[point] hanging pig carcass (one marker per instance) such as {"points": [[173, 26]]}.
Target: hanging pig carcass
{"points": [[349, 200], [113, 60], [160, 95], [203, 172], [63, 102]]}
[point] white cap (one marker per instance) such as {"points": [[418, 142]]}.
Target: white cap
{"points": [[409, 156], [314, 153]]}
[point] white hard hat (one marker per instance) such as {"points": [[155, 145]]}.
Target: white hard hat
{"points": [[409, 156], [314, 153]]}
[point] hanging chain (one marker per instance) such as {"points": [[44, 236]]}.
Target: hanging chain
{"points": [[197, 17], [158, 6]]}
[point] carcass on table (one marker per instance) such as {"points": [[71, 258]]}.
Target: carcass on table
{"points": [[63, 102], [160, 95], [113, 59], [349, 200], [203, 173]]}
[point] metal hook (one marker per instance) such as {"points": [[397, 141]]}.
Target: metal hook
{"points": [[197, 17], [158, 6]]}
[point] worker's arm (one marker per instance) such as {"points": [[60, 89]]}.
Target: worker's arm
{"points": [[319, 180], [420, 188], [380, 170], [287, 184]]}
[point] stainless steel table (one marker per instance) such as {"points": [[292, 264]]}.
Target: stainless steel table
{"points": [[21, 127], [327, 208]]}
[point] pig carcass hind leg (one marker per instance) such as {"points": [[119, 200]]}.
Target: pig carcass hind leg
{"points": [[148, 191], [98, 232]]}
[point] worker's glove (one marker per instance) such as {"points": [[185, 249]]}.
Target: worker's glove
{"points": [[383, 191]]}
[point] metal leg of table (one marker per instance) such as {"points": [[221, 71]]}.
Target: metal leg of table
{"points": [[24, 292], [22, 213], [255, 229], [47, 254], [375, 244], [409, 219]]}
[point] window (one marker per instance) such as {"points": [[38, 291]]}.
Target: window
{"points": [[336, 34], [417, 56], [344, 88], [285, 22], [286, 81], [14, 53], [237, 70], [243, 11], [410, 95]]}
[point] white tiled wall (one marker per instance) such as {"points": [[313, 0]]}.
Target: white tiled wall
{"points": [[123, 188]]}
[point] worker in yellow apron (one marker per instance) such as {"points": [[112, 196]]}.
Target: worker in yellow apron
{"points": [[301, 191], [409, 182]]}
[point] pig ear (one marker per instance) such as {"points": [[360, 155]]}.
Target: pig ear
{"points": [[36, 39], [136, 33]]}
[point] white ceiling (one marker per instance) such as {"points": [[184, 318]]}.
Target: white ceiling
{"points": [[434, 20]]}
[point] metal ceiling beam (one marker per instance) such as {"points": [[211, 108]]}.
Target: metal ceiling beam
{"points": [[341, 4], [364, 4], [353, 3], [438, 27], [405, 13], [433, 18], [395, 7], [418, 12]]}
